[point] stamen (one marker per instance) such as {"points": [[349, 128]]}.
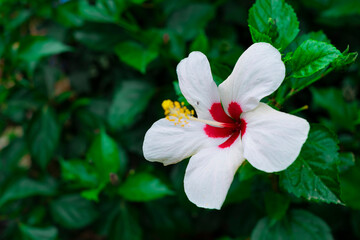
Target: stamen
{"points": [[178, 113]]}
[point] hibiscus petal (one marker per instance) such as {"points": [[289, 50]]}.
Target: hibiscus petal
{"points": [[258, 73], [273, 140], [166, 143], [197, 84], [210, 173]]}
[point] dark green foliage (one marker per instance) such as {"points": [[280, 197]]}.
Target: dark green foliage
{"points": [[80, 172], [129, 101], [73, 211], [191, 19], [81, 81], [25, 187], [299, 224], [343, 114], [274, 19], [314, 175], [276, 205], [32, 233], [349, 186], [312, 56], [34, 48], [43, 135], [143, 187], [135, 55], [121, 223], [104, 154]]}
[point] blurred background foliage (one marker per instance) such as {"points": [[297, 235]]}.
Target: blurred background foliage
{"points": [[82, 81]]}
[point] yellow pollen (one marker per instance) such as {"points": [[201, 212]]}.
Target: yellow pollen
{"points": [[176, 112]]}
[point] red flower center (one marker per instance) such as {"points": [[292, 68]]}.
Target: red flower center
{"points": [[233, 124]]}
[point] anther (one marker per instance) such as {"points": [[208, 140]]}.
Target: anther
{"points": [[176, 112]]}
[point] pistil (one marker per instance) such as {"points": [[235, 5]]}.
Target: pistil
{"points": [[211, 123]]}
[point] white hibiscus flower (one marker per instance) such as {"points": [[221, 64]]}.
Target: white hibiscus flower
{"points": [[231, 125]]}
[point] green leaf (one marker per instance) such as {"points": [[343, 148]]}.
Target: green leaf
{"points": [[99, 36], [135, 55], [318, 36], [341, 9], [220, 71], [11, 155], [37, 215], [142, 187], [26, 187], [276, 205], [312, 56], [96, 13], [238, 192], [130, 100], [68, 14], [346, 58], [343, 114], [276, 19], [355, 222], [43, 136], [107, 11], [36, 233], [176, 45], [80, 172], [298, 225], [138, 1], [228, 238], [4, 92], [350, 182], [314, 174], [246, 171], [2, 45], [257, 36], [226, 53], [73, 211], [201, 43], [121, 223], [104, 153], [34, 48], [93, 194], [318, 4], [190, 20], [346, 161], [21, 17], [18, 102]]}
